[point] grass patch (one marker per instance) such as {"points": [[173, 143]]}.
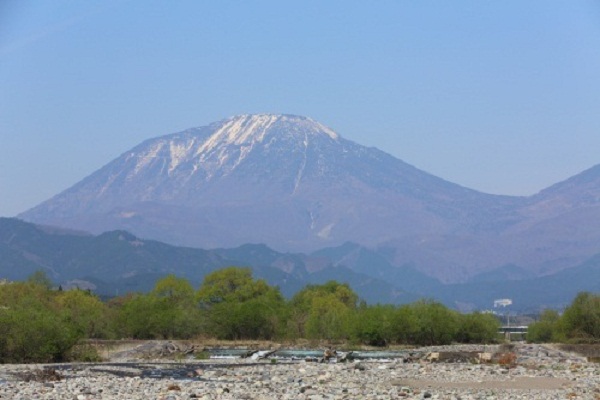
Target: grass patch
{"points": [[202, 355]]}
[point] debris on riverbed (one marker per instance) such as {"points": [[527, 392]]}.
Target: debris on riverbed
{"points": [[47, 374], [540, 372]]}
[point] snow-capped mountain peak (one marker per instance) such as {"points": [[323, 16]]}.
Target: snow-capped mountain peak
{"points": [[249, 128], [283, 170], [220, 147]]}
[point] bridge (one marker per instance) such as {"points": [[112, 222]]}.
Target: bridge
{"points": [[508, 330]]}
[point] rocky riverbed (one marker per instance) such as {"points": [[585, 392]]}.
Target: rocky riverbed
{"points": [[526, 372]]}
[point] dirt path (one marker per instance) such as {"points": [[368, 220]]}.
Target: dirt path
{"points": [[522, 382]]}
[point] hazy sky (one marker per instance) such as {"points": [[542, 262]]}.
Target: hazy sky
{"points": [[499, 96]]}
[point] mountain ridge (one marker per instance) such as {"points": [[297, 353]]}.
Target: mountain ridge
{"points": [[296, 185], [117, 262]]}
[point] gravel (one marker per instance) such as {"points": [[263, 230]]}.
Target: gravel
{"points": [[541, 372]]}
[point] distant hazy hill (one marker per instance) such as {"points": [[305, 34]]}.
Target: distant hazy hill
{"points": [[553, 291], [296, 185], [116, 262]]}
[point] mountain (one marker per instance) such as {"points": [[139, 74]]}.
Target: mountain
{"points": [[286, 181], [117, 262], [376, 265], [509, 272], [560, 225], [293, 184]]}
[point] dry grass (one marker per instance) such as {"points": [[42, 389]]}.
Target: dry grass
{"points": [[591, 351]]}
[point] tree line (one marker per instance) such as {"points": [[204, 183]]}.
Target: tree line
{"points": [[579, 323], [42, 324]]}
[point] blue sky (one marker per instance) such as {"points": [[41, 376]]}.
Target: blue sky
{"points": [[499, 96]]}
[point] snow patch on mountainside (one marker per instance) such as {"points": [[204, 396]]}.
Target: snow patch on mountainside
{"points": [[107, 185], [147, 158], [179, 152], [238, 131], [326, 130], [326, 231]]}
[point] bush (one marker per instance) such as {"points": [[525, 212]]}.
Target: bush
{"points": [[581, 320], [435, 323], [373, 325], [236, 306], [477, 328], [580, 323], [545, 330], [404, 327], [32, 328], [322, 311]]}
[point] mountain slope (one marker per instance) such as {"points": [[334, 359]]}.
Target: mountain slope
{"points": [[375, 265], [287, 181], [117, 262], [560, 226], [293, 184]]}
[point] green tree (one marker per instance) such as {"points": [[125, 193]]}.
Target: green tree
{"points": [[405, 325], [231, 284], [182, 311], [581, 320], [328, 318], [373, 325], [238, 306], [85, 312], [477, 328], [40, 277], [546, 330], [32, 326], [176, 290], [169, 311], [436, 324], [142, 316], [322, 311]]}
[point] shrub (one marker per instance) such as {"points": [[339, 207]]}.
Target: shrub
{"points": [[32, 328], [477, 328], [546, 329]]}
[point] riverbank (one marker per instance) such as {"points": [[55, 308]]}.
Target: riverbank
{"points": [[538, 372]]}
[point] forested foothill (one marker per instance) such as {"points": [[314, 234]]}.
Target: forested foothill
{"points": [[42, 323]]}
